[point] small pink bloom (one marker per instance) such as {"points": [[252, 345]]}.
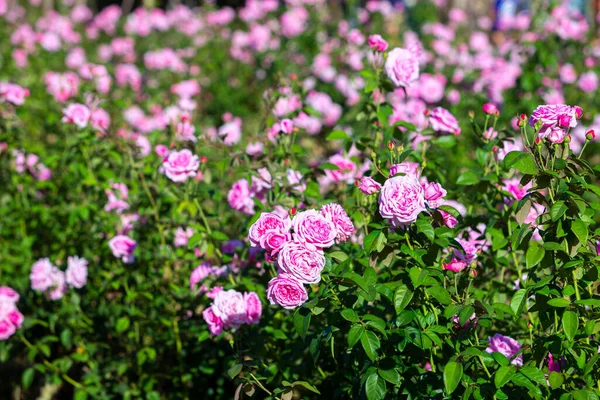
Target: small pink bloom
{"points": [[78, 114], [123, 247], [181, 165], [286, 292], [368, 185], [77, 272], [377, 43]]}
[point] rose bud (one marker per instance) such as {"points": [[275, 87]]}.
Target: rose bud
{"points": [[490, 108], [590, 135]]}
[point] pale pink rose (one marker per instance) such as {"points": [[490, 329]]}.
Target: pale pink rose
{"points": [[588, 82], [401, 200], [406, 168], [100, 119], [253, 308], [442, 121], [300, 263], [286, 126], [506, 346], [40, 275], [455, 265], [314, 230], [377, 43], [239, 197], [286, 292], [369, 186], [554, 116], [490, 134], [181, 165], [78, 114], [123, 247], [342, 222], [295, 178], [182, 236], [255, 149], [215, 325], [77, 272], [402, 67], [8, 294], [434, 194], [13, 93], [567, 73], [185, 131], [161, 150], [449, 220], [59, 285], [230, 307], [7, 329]]}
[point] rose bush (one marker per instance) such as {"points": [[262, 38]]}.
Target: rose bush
{"points": [[285, 201]]}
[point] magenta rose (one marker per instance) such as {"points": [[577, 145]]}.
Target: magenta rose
{"points": [[369, 186], [455, 265], [253, 308], [286, 291], [215, 325], [342, 222], [442, 121], [377, 43], [402, 66], [302, 264], [181, 165], [314, 230], [270, 232], [506, 346], [7, 329], [434, 194], [401, 200], [550, 116], [123, 247]]}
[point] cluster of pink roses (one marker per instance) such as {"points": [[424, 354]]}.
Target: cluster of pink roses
{"points": [[554, 121], [121, 245], [47, 278], [13, 93], [403, 197], [10, 317], [30, 162], [299, 254], [231, 309], [81, 115]]}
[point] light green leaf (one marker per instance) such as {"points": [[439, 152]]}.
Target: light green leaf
{"points": [[452, 375]]}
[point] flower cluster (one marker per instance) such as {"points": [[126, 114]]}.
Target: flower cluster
{"points": [[297, 247], [554, 121], [231, 309], [47, 278], [10, 317]]}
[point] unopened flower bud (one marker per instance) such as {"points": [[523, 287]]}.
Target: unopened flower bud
{"points": [[471, 115], [590, 135], [578, 111], [490, 109], [567, 139], [538, 141], [391, 145], [426, 113], [203, 159], [293, 211]]}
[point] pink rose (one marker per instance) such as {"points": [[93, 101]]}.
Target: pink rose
{"points": [[78, 114], [59, 285], [239, 197], [401, 200], [449, 220], [286, 126], [253, 308], [7, 329], [123, 247], [300, 263], [553, 116], [182, 236], [181, 165], [40, 275], [455, 265], [442, 121], [434, 194], [406, 168], [161, 150], [100, 119], [13, 93], [77, 272], [369, 186], [286, 291], [8, 294], [377, 43], [314, 230], [342, 222], [230, 307], [215, 325], [270, 232], [402, 67], [490, 109], [506, 346]]}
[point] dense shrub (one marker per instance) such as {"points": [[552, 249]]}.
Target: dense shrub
{"points": [[278, 202]]}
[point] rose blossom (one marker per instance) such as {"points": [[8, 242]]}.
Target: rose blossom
{"points": [[300, 263], [369, 186], [182, 236], [455, 265], [377, 43], [77, 272], [314, 230], [553, 116], [286, 291], [40, 275], [123, 247], [215, 325], [506, 346], [181, 165], [401, 200], [230, 307], [10, 317], [78, 114], [406, 168], [240, 198], [434, 194], [449, 220], [253, 308], [442, 121], [402, 67], [342, 222]]}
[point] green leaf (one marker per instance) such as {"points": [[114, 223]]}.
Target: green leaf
{"points": [[440, 294], [503, 375], [452, 375], [579, 228], [306, 385], [375, 388], [570, 324], [370, 242], [425, 227], [302, 322], [122, 324], [402, 296], [355, 334], [27, 377], [520, 161], [234, 371], [370, 342], [518, 302], [534, 374], [337, 135], [349, 315], [390, 375], [468, 178], [534, 255], [559, 302], [555, 379], [557, 210]]}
